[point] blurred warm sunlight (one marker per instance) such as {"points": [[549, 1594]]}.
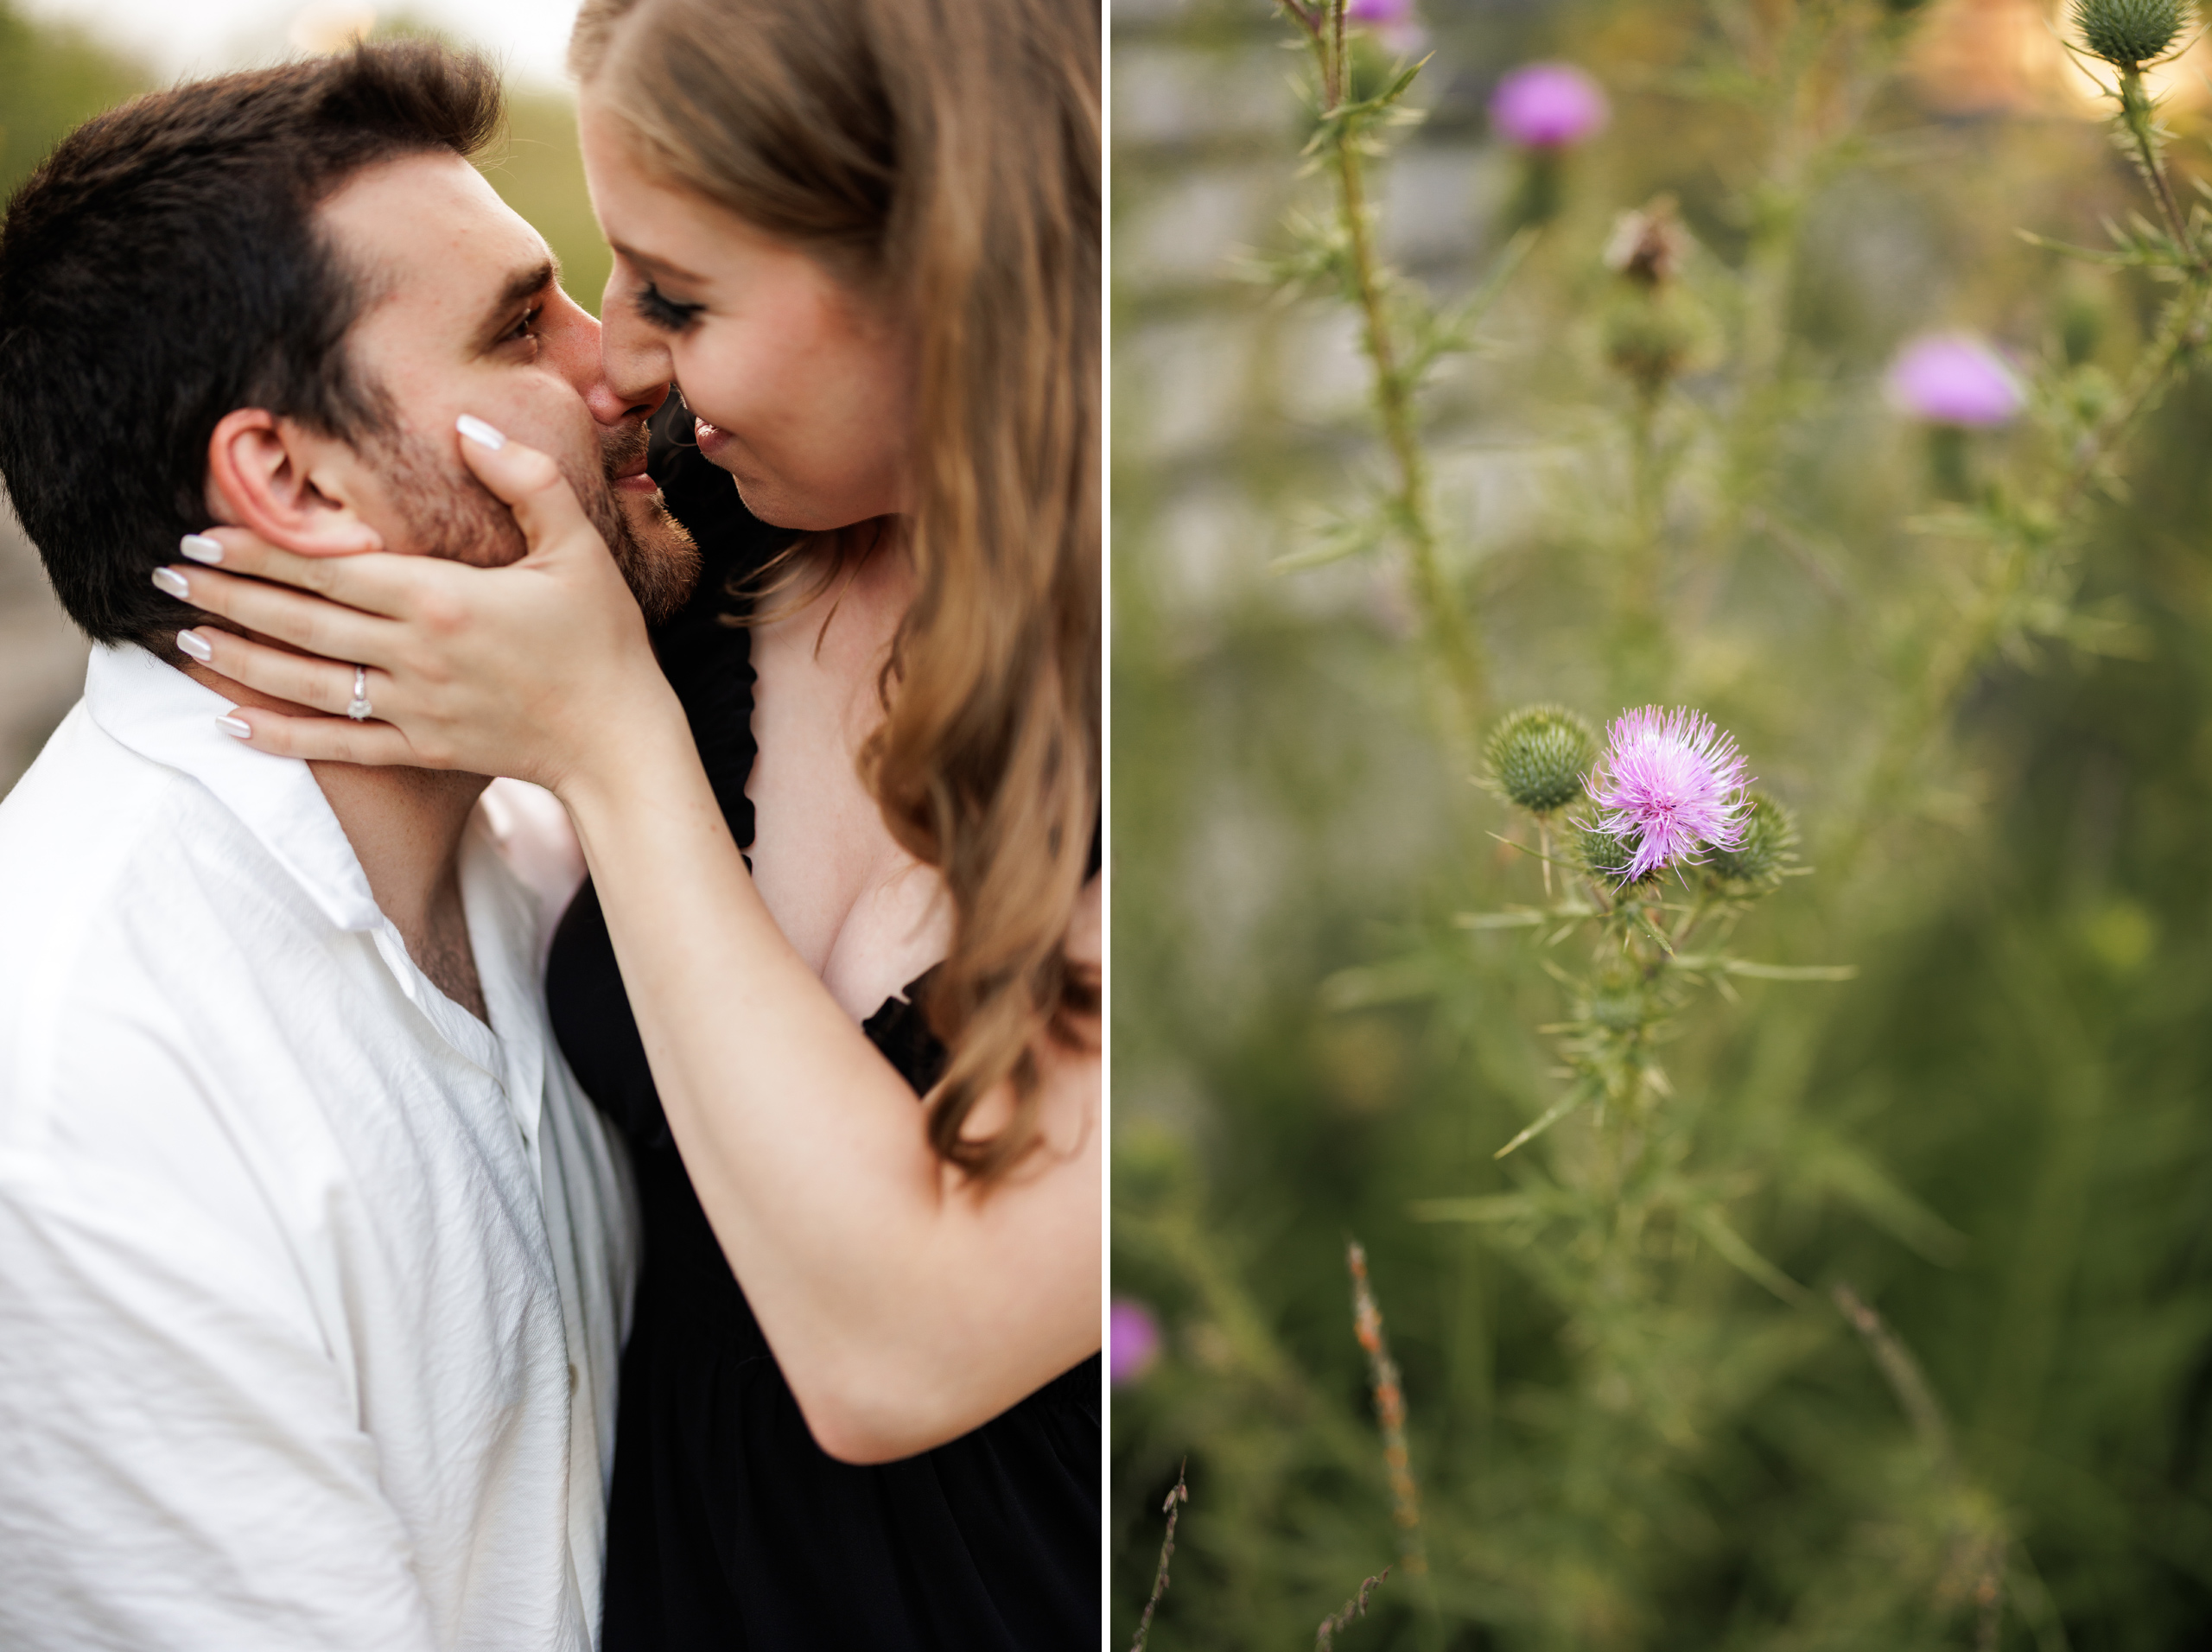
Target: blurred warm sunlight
{"points": [[1984, 56]]}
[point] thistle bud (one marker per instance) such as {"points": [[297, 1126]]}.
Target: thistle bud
{"points": [[1608, 856], [1619, 1005], [1652, 336], [1538, 756], [1655, 330], [1546, 111], [1769, 844], [2084, 315], [2128, 34], [1647, 246]]}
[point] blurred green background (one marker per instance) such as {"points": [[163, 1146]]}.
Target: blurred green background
{"points": [[2000, 1133], [55, 73]]}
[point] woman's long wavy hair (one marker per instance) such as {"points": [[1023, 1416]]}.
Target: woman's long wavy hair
{"points": [[946, 153]]}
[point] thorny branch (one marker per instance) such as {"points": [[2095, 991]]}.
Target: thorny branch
{"points": [[1389, 1411], [1324, 1637], [1179, 1496]]}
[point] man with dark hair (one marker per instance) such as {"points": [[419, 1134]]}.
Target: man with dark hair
{"points": [[314, 1263]]}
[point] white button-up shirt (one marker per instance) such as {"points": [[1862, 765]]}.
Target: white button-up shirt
{"points": [[312, 1287]]}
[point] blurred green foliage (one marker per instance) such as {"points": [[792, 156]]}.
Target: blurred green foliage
{"points": [[52, 77], [539, 171], [2000, 1135]]}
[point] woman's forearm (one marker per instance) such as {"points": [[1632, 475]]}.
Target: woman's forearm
{"points": [[903, 1307]]}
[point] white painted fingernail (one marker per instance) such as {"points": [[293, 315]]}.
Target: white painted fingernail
{"points": [[200, 547], [168, 580], [479, 432], [234, 726], [191, 643]]}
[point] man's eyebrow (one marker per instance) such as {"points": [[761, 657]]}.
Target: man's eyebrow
{"points": [[523, 284]]}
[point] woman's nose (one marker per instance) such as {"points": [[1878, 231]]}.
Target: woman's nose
{"points": [[633, 361]]}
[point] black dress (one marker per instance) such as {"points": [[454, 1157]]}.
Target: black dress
{"points": [[729, 1526]]}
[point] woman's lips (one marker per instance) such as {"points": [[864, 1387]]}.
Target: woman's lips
{"points": [[709, 437]]}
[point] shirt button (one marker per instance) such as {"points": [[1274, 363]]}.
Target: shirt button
{"points": [[574, 1377]]}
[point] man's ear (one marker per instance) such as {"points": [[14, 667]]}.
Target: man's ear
{"points": [[289, 486]]}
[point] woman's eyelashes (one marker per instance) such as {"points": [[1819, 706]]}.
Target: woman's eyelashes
{"points": [[661, 311]]}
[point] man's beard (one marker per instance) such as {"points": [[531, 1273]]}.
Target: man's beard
{"points": [[449, 513]]}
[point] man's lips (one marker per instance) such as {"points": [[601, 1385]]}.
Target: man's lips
{"points": [[630, 476]]}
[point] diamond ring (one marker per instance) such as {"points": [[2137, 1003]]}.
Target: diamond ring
{"points": [[358, 708]]}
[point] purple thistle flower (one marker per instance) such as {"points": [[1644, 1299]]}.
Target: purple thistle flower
{"points": [[1132, 1340], [1671, 783], [1548, 106], [1954, 378], [1394, 22]]}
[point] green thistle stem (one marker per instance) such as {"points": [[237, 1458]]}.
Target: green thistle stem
{"points": [[1808, 135], [1394, 406], [1448, 630], [2016, 560], [1642, 657], [2136, 110], [1337, 91]]}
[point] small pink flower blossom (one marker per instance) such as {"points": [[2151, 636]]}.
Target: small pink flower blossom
{"points": [[1132, 1340], [1954, 378], [1673, 785], [1393, 21], [1548, 106]]}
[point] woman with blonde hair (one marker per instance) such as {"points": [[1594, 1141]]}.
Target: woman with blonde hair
{"points": [[862, 1401]]}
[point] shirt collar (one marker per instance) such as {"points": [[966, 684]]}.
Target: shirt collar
{"points": [[162, 714]]}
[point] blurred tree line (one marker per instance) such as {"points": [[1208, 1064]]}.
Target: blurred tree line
{"points": [[52, 76]]}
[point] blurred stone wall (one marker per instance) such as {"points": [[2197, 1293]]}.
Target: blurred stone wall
{"points": [[1265, 738], [41, 654], [1230, 406]]}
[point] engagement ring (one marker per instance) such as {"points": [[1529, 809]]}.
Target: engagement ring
{"points": [[358, 708]]}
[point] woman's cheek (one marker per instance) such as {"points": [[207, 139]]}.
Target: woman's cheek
{"points": [[760, 425]]}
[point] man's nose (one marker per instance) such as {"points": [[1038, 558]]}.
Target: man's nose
{"points": [[609, 406], [611, 402]]}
